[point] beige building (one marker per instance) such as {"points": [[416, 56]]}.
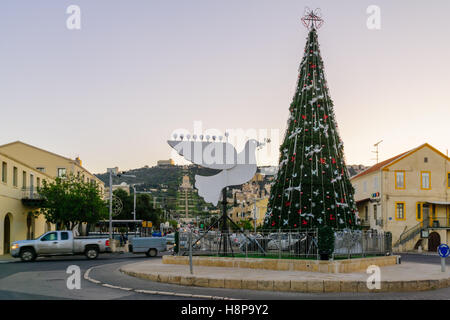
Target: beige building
{"points": [[246, 211], [165, 163], [407, 195], [48, 162], [18, 198], [23, 169]]}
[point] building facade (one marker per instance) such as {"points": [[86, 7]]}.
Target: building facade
{"points": [[23, 170], [407, 195], [18, 201]]}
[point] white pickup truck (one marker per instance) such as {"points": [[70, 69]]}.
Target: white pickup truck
{"points": [[59, 243]]}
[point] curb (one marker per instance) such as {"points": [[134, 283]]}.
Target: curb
{"points": [[316, 286], [164, 293]]}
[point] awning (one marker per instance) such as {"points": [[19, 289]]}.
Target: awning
{"points": [[440, 202], [362, 200]]}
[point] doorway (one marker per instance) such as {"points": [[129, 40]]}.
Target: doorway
{"points": [[7, 235], [434, 240]]}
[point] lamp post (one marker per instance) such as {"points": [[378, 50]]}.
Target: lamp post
{"points": [[115, 172]]}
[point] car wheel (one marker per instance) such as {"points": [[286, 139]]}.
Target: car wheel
{"points": [[151, 253], [27, 255], [91, 253]]}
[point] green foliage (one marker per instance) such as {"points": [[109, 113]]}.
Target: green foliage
{"points": [[326, 240], [243, 224], [144, 207], [70, 201]]}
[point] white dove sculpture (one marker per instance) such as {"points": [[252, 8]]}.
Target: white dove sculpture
{"points": [[236, 168]]}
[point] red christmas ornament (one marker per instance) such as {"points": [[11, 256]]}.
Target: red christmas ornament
{"points": [[332, 217], [303, 116], [304, 222], [288, 204], [322, 160], [299, 211], [333, 160], [325, 117]]}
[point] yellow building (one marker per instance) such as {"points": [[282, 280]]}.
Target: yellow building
{"points": [[48, 162], [18, 198], [246, 211], [23, 169], [407, 195]]}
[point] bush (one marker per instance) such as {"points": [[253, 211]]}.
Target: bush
{"points": [[326, 240]]}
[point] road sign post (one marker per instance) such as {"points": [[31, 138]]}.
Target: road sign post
{"points": [[444, 252]]}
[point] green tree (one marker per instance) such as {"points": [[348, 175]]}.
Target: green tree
{"points": [[312, 187], [70, 201]]}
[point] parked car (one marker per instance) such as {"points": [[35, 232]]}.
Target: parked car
{"points": [[170, 238], [59, 243], [148, 245]]}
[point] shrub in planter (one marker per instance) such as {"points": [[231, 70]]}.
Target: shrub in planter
{"points": [[325, 242]]}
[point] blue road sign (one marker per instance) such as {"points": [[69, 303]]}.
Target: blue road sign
{"points": [[444, 250]]}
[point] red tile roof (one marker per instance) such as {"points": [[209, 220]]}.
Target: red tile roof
{"points": [[379, 165]]}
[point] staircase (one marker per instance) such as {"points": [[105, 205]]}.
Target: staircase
{"points": [[411, 234]]}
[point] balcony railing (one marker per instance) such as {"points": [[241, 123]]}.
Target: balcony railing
{"points": [[439, 222], [30, 193], [31, 198]]}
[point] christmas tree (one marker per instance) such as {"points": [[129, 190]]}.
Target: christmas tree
{"points": [[312, 188]]}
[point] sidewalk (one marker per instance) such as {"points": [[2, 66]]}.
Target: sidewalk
{"points": [[4, 258], [403, 277]]}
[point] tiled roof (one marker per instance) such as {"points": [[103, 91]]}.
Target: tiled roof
{"points": [[378, 166]]}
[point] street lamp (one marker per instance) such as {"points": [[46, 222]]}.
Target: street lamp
{"points": [[115, 172], [134, 199]]}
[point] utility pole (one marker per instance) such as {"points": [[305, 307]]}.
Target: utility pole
{"points": [[115, 172]]}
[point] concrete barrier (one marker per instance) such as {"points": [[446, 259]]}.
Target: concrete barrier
{"points": [[336, 266]]}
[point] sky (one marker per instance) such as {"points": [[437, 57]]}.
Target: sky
{"points": [[114, 91]]}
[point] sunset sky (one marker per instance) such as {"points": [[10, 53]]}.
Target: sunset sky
{"points": [[113, 92]]}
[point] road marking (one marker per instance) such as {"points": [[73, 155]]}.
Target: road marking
{"points": [[164, 293]]}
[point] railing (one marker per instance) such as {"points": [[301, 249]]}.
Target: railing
{"points": [[351, 243], [291, 244], [249, 244], [30, 193], [411, 233], [439, 222], [430, 223]]}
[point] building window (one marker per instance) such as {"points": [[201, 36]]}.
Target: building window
{"points": [[4, 171], [375, 211], [399, 179], [448, 179], [61, 172], [400, 211], [366, 213], [15, 174], [425, 159], [38, 182], [41, 169], [24, 180], [419, 211], [425, 177]]}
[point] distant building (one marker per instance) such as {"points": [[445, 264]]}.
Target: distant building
{"points": [[165, 163], [355, 169], [123, 186]]}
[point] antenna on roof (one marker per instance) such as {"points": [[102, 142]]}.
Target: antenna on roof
{"points": [[376, 151]]}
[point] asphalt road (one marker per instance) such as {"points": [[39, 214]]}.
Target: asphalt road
{"points": [[46, 279]]}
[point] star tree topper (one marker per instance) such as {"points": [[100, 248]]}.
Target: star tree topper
{"points": [[312, 19]]}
